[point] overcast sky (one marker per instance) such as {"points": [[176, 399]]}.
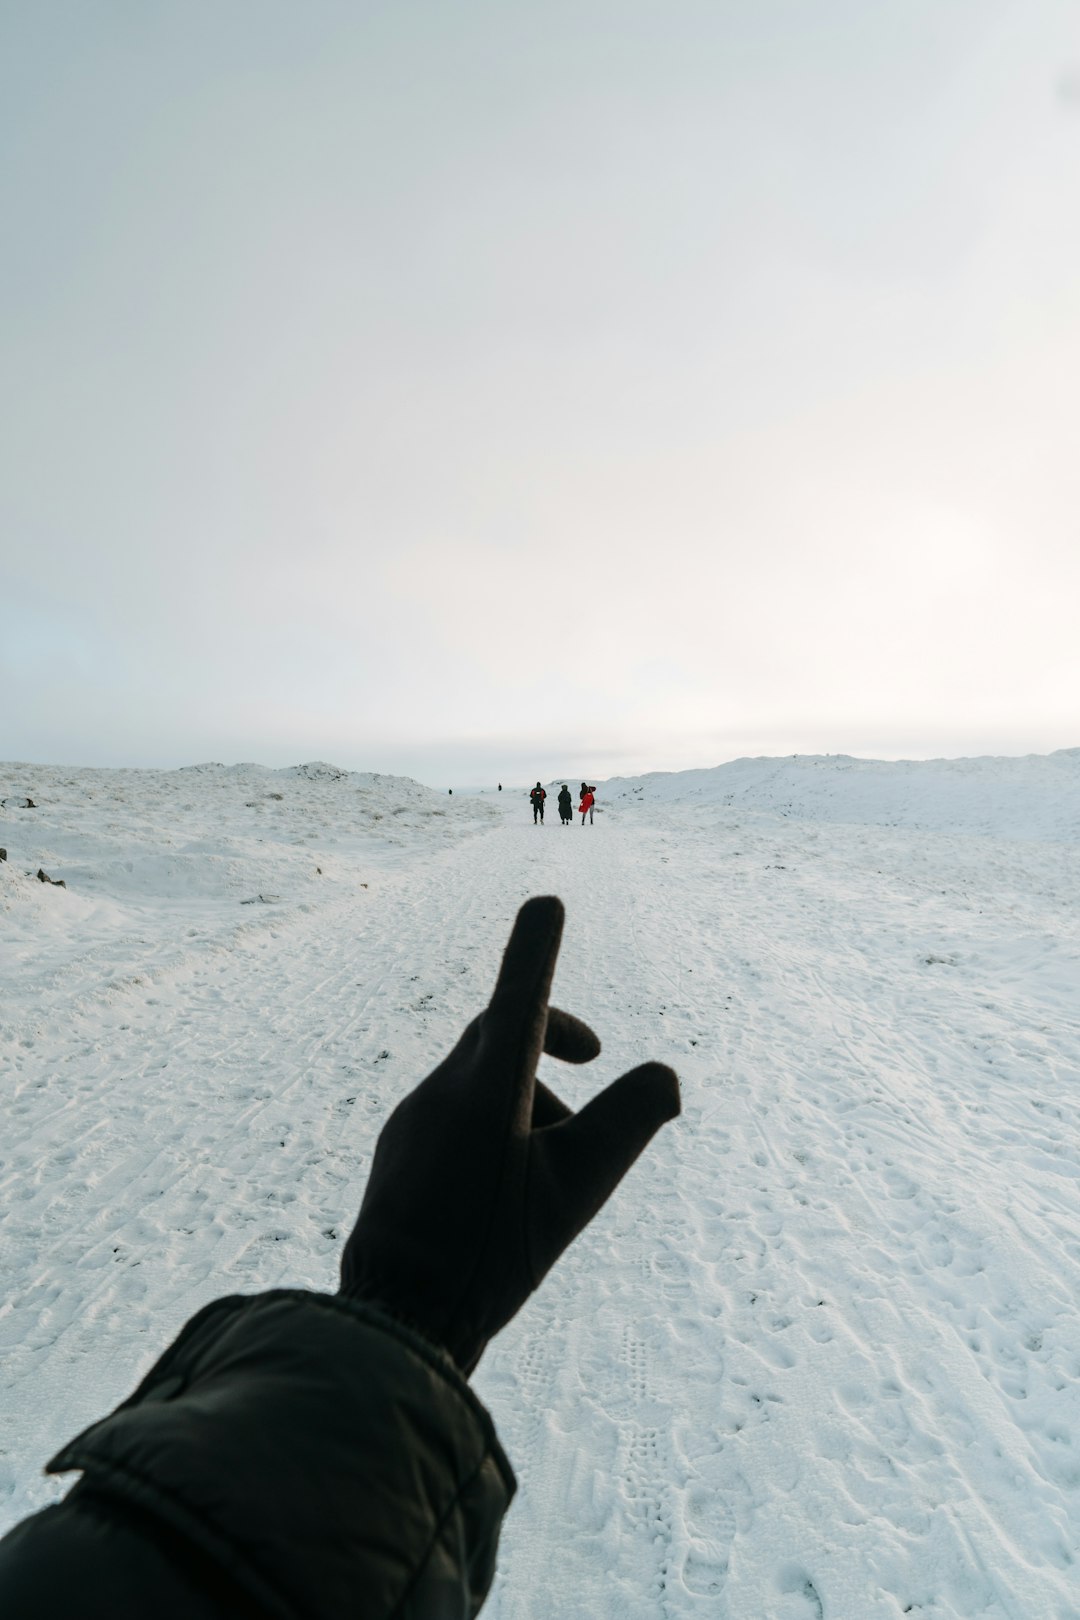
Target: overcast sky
{"points": [[510, 389]]}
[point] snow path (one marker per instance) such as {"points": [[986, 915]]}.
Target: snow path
{"points": [[820, 1355]]}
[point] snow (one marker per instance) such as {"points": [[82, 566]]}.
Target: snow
{"points": [[819, 1356], [1037, 796]]}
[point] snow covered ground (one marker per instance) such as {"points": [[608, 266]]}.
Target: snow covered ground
{"points": [[820, 1355]]}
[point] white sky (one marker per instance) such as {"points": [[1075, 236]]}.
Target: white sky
{"points": [[503, 389]]}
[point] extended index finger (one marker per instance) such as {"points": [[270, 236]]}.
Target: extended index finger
{"points": [[515, 1023], [517, 1013]]}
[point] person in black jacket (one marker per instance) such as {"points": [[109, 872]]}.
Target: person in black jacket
{"points": [[566, 806], [537, 795], [304, 1456]]}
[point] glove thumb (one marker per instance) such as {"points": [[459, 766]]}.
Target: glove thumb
{"points": [[577, 1163]]}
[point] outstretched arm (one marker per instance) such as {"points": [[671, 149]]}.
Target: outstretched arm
{"points": [[482, 1176]]}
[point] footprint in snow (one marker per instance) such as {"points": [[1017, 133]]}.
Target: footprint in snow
{"points": [[800, 1599]]}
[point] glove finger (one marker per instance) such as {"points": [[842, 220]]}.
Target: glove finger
{"points": [[567, 1038], [528, 963], [547, 1108], [579, 1164], [516, 1019]]}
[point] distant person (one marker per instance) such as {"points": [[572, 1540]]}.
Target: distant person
{"points": [[588, 799], [500, 787], [296, 1453], [566, 805], [536, 799]]}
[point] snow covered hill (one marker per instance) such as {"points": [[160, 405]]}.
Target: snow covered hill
{"points": [[819, 1357], [157, 863], [1037, 796]]}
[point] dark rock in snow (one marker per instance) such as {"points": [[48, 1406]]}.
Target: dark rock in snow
{"points": [[316, 770], [17, 804], [43, 877], [3, 854]]}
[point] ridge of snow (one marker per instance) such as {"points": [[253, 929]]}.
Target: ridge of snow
{"points": [[1031, 796]]}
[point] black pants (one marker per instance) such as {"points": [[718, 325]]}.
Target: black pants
{"points": [[538, 810]]}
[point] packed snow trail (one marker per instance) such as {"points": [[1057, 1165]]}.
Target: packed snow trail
{"points": [[842, 1294], [819, 1356]]}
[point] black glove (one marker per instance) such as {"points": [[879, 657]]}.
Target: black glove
{"points": [[481, 1176]]}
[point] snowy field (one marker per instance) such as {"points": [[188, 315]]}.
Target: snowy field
{"points": [[819, 1358]]}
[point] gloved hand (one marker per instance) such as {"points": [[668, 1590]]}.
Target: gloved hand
{"points": [[482, 1176]]}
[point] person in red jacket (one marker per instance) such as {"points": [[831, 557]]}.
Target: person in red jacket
{"points": [[588, 799]]}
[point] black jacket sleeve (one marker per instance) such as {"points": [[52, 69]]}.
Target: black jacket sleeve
{"points": [[327, 1461]]}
